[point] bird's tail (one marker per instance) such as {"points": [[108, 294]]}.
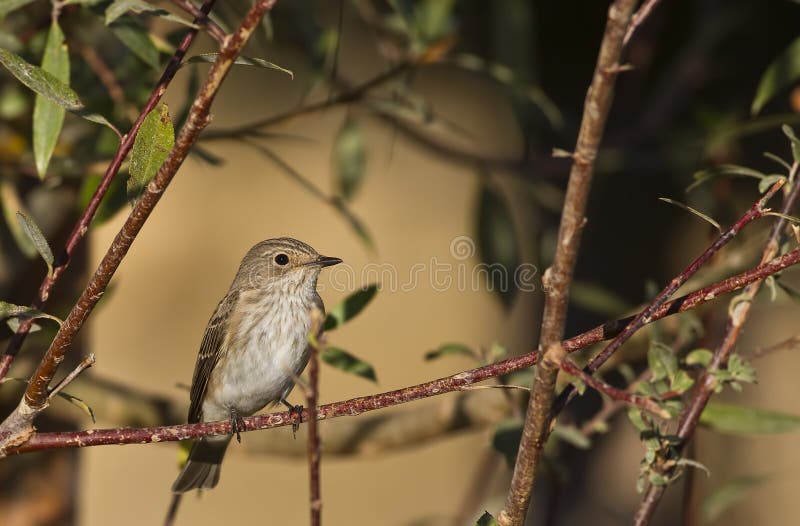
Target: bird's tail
{"points": [[203, 466]]}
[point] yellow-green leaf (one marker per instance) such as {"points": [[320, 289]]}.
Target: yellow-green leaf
{"points": [[487, 519], [150, 148], [48, 117], [350, 307], [36, 236], [120, 7], [348, 363], [728, 494], [783, 71]]}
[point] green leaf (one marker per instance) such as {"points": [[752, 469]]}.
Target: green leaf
{"points": [[50, 87], [506, 439], [349, 159], [596, 298], [350, 307], [9, 310], [9, 198], [9, 41], [136, 38], [450, 349], [114, 200], [348, 363], [727, 495], [497, 242], [486, 520], [780, 74], [662, 361], [120, 7], [36, 236], [150, 149], [728, 418], [700, 357], [48, 117], [243, 61], [696, 212], [77, 402], [6, 6], [793, 140], [571, 435]]}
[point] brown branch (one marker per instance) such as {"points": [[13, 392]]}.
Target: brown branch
{"points": [[737, 316], [312, 395], [202, 19], [108, 80], [559, 276], [82, 226], [19, 425], [82, 366], [641, 14], [755, 211], [618, 395], [357, 406]]}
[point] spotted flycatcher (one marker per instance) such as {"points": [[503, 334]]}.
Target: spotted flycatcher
{"points": [[255, 345]]}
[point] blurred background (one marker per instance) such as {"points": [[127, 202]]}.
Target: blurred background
{"points": [[414, 140]]}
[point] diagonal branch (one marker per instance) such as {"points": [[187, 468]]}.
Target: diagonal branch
{"points": [[737, 316], [82, 226], [18, 426], [559, 276], [356, 406]]}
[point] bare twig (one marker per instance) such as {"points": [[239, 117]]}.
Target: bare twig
{"points": [[705, 385], [618, 395], [202, 19], [641, 14], [790, 344], [109, 81], [755, 211], [356, 406], [18, 426], [82, 226], [82, 366], [559, 276]]}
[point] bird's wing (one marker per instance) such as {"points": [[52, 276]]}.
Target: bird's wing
{"points": [[210, 351]]}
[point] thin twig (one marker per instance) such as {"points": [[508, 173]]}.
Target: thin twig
{"points": [[82, 366], [705, 385], [755, 211], [82, 226], [109, 80], [558, 277], [202, 19], [18, 426], [356, 406], [619, 395], [641, 14]]}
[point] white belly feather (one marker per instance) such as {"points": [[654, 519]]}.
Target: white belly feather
{"points": [[272, 345]]}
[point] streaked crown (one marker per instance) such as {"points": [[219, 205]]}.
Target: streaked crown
{"points": [[282, 259]]}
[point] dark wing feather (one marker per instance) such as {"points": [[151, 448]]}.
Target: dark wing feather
{"points": [[210, 352]]}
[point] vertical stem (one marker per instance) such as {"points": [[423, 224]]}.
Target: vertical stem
{"points": [[557, 278], [312, 396]]}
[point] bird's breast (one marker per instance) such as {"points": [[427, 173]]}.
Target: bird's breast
{"points": [[268, 349]]}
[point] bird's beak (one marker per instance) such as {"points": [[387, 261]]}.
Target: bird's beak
{"points": [[325, 261]]}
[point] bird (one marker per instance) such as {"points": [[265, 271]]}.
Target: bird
{"points": [[254, 346]]}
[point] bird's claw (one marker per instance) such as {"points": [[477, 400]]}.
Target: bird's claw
{"points": [[237, 425]]}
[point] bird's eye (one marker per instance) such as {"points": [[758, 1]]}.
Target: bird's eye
{"points": [[281, 259]]}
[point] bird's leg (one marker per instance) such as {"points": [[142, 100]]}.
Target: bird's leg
{"points": [[294, 411], [237, 425]]}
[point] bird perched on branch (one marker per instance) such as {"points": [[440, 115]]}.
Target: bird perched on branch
{"points": [[255, 345]]}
